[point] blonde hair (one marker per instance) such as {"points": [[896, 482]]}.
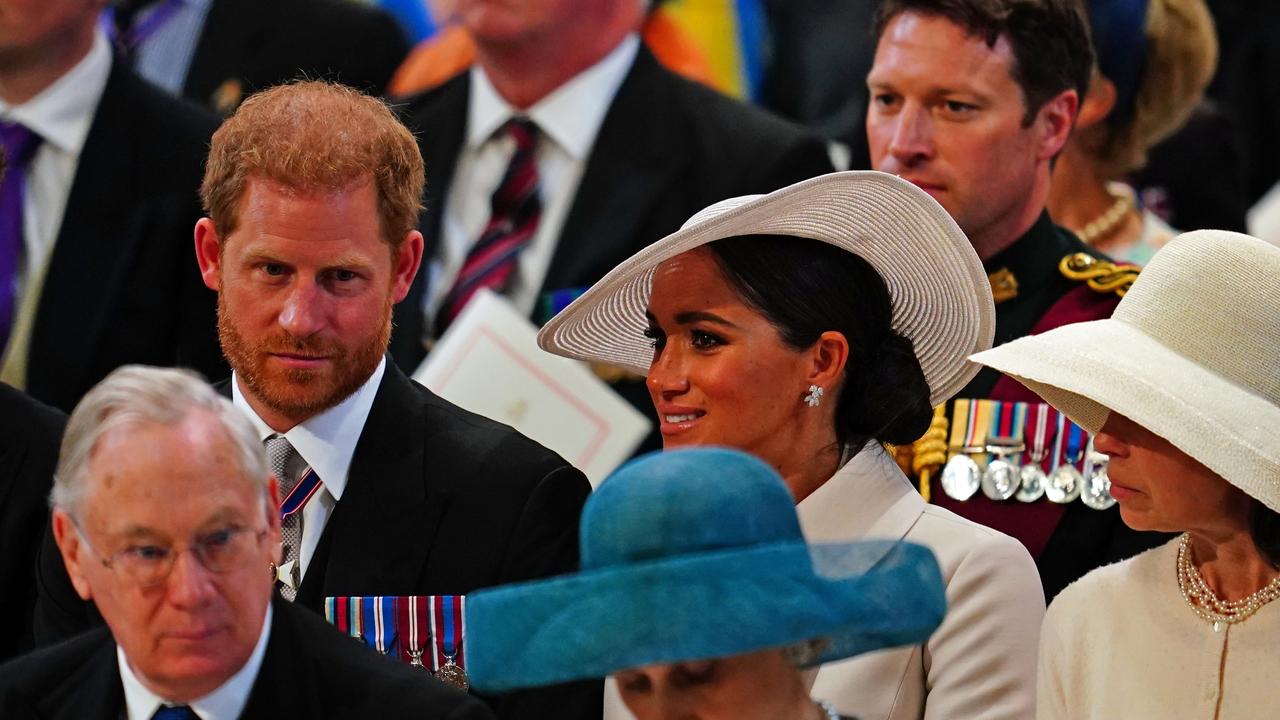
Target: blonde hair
{"points": [[314, 136], [1182, 54]]}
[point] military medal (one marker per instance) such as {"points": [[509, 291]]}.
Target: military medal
{"points": [[1066, 482], [1097, 486], [1032, 479], [961, 476], [1000, 480], [447, 618], [413, 611]]}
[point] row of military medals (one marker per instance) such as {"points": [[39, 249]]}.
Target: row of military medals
{"points": [[1031, 451], [424, 629]]}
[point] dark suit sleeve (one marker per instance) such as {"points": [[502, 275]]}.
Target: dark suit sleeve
{"points": [[545, 543], [30, 433]]}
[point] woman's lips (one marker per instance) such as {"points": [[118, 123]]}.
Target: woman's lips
{"points": [[674, 421]]}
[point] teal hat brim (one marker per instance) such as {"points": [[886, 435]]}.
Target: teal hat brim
{"points": [[858, 597]]}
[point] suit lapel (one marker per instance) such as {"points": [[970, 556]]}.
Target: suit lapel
{"points": [[635, 156], [233, 31], [378, 540], [285, 686], [441, 126], [98, 238], [867, 498], [91, 692]]}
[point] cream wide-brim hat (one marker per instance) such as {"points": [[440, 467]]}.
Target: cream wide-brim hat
{"points": [[940, 294], [1192, 353]]}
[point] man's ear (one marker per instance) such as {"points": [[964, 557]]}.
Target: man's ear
{"points": [[73, 550], [405, 263], [1054, 122], [827, 359], [209, 253]]}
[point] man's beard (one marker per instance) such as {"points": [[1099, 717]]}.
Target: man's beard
{"points": [[299, 394]]}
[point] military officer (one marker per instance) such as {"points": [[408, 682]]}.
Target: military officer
{"points": [[971, 100]]}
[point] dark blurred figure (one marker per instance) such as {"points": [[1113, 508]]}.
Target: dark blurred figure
{"points": [[1196, 179], [1245, 85], [30, 432], [96, 267], [217, 52], [817, 73]]}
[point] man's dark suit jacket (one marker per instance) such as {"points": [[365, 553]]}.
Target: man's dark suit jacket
{"points": [[667, 148], [122, 284], [309, 670], [30, 433], [249, 45], [439, 501]]}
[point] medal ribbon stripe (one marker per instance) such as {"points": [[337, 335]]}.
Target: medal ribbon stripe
{"points": [[959, 427], [1057, 442], [1019, 429], [301, 493], [1075, 451], [433, 604], [980, 428]]}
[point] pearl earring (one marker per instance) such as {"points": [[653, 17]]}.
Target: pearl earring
{"points": [[814, 396]]}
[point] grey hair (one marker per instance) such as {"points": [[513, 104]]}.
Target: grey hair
{"points": [[139, 395], [806, 653]]}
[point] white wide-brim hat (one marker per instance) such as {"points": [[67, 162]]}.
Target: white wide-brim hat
{"points": [[940, 294], [1192, 353]]}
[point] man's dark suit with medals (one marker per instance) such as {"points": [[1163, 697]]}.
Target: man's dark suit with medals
{"points": [[996, 454], [307, 187]]}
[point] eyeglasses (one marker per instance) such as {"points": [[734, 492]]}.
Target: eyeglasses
{"points": [[218, 551]]}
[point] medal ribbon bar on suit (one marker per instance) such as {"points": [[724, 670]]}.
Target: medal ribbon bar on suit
{"points": [[378, 622], [301, 494]]}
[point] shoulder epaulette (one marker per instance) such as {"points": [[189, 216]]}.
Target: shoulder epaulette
{"points": [[1101, 275]]}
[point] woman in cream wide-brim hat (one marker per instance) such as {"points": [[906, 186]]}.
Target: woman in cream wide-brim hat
{"points": [[1182, 385], [807, 327]]}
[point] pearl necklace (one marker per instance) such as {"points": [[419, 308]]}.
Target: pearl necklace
{"points": [[1206, 603], [1109, 221], [828, 710]]}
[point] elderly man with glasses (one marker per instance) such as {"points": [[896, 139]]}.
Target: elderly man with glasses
{"points": [[163, 510]]}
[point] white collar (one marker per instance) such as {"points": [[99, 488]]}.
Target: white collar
{"points": [[326, 441], [62, 113], [570, 115], [225, 703], [867, 497]]}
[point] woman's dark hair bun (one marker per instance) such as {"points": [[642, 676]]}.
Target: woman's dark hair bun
{"points": [[806, 287], [889, 400]]}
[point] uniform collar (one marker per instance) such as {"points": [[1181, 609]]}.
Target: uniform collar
{"points": [[326, 441]]}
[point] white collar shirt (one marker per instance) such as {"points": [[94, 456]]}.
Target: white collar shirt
{"points": [[568, 119], [61, 115], [327, 443], [225, 703]]}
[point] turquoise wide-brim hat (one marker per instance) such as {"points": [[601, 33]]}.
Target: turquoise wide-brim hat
{"points": [[693, 554]]}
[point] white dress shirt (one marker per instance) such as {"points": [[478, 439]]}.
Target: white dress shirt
{"points": [[164, 57], [568, 120], [225, 703], [61, 115], [326, 443]]}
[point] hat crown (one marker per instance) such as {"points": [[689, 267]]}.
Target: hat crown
{"points": [[685, 502], [1203, 282]]}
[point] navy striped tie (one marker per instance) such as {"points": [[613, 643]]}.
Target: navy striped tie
{"points": [[515, 209]]}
